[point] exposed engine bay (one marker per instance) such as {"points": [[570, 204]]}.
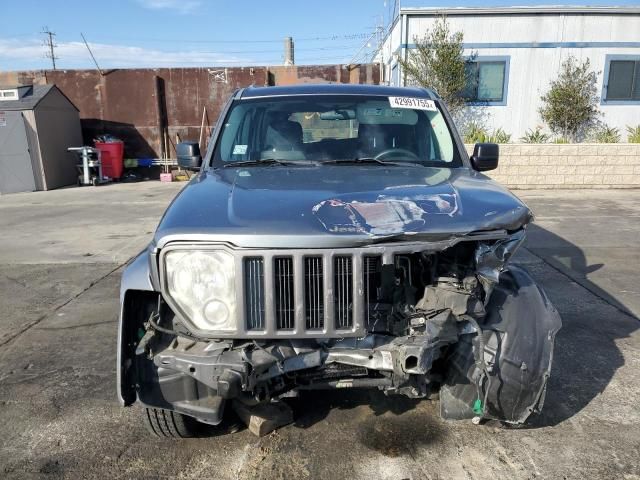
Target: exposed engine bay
{"points": [[456, 321]]}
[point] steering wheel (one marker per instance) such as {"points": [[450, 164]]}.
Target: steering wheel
{"points": [[396, 152]]}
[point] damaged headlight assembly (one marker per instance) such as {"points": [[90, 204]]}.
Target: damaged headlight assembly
{"points": [[200, 283]]}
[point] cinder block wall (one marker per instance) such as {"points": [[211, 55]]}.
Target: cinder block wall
{"points": [[530, 166]]}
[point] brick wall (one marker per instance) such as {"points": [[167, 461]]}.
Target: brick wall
{"points": [[530, 166]]}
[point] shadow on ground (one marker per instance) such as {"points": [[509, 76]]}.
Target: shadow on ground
{"points": [[586, 354]]}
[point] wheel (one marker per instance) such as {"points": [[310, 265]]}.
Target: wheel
{"points": [[169, 424]]}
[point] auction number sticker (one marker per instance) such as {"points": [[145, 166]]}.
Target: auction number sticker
{"points": [[413, 103]]}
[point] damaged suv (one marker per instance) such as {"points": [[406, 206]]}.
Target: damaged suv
{"points": [[334, 236]]}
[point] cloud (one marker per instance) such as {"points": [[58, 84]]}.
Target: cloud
{"points": [[20, 54], [181, 6]]}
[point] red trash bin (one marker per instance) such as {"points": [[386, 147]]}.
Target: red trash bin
{"points": [[111, 154]]}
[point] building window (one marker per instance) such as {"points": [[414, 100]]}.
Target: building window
{"points": [[486, 81], [8, 94], [623, 81]]}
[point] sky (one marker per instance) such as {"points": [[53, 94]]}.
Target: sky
{"points": [[189, 33]]}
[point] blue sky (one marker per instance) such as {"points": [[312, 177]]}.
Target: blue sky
{"points": [[150, 33]]}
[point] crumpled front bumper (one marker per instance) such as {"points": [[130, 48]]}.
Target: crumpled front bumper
{"points": [[498, 372]]}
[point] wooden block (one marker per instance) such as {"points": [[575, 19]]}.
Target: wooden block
{"points": [[264, 418]]}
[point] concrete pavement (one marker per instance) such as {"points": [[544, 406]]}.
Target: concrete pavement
{"points": [[59, 274]]}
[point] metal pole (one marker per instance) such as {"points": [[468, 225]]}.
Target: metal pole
{"points": [[157, 88], [90, 53]]}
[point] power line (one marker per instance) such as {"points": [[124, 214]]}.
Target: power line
{"points": [[334, 37], [49, 43], [247, 63], [91, 53], [333, 47]]}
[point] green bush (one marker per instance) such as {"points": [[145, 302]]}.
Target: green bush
{"points": [[535, 136], [607, 134], [475, 133], [570, 106], [499, 136], [561, 140], [634, 134]]}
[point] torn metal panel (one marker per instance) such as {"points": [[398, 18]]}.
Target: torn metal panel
{"points": [[491, 258], [519, 333]]}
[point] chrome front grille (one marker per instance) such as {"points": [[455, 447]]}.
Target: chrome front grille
{"points": [[313, 293], [284, 294], [297, 294], [343, 287], [254, 292], [307, 293]]}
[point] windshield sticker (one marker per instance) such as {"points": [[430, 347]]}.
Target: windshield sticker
{"points": [[239, 149], [413, 103]]}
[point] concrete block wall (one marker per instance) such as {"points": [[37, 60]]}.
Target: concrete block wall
{"points": [[548, 166]]}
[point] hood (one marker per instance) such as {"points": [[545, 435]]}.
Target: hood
{"points": [[331, 205]]}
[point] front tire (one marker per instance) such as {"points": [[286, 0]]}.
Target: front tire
{"points": [[169, 424]]}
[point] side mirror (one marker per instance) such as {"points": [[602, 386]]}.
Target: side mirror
{"points": [[485, 156], [188, 154]]}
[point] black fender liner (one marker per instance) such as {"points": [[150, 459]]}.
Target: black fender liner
{"points": [[519, 332]]}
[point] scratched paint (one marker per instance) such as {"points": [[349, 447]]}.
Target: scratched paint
{"points": [[384, 214]]}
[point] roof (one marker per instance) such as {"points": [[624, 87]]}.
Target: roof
{"points": [[532, 10], [336, 89], [29, 101]]}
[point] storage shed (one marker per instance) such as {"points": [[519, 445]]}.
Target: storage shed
{"points": [[37, 125]]}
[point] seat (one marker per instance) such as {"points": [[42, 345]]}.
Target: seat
{"points": [[283, 139], [375, 138], [371, 139]]}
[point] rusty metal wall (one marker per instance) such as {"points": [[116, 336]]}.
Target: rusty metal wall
{"points": [[150, 108]]}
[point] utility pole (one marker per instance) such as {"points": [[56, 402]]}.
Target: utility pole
{"points": [[49, 43]]}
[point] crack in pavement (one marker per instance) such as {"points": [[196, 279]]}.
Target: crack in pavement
{"points": [[53, 310]]}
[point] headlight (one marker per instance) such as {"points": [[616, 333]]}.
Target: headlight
{"points": [[201, 283]]}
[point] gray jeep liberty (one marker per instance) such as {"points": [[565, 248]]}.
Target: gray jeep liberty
{"points": [[334, 236]]}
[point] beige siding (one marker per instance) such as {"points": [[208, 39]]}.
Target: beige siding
{"points": [[530, 166]]}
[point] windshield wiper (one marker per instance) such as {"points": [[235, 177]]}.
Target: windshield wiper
{"points": [[268, 161], [369, 160]]}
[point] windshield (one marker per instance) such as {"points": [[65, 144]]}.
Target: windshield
{"points": [[336, 128]]}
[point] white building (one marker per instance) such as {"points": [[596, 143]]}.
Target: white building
{"points": [[519, 52]]}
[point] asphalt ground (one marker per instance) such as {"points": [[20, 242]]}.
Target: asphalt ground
{"points": [[60, 263]]}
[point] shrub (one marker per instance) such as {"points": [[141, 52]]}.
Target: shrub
{"points": [[478, 134], [634, 134], [561, 140], [607, 134], [535, 136], [499, 136], [570, 107], [475, 133]]}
